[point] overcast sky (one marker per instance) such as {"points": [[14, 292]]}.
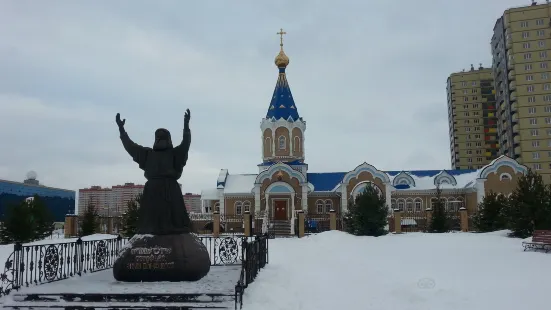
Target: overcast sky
{"points": [[369, 78]]}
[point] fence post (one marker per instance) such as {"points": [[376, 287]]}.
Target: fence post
{"points": [[216, 224], [464, 219], [332, 220], [79, 254], [428, 218], [247, 223], [300, 223], [397, 221]]}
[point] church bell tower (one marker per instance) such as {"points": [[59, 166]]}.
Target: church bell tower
{"points": [[283, 129]]}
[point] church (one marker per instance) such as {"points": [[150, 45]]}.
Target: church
{"points": [[283, 184]]}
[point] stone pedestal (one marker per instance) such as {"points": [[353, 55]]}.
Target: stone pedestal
{"points": [[150, 258]]}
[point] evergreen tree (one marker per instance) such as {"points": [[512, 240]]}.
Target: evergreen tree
{"points": [[131, 216], [491, 213], [90, 221], [440, 222], [367, 215], [43, 220], [18, 224], [529, 206]]}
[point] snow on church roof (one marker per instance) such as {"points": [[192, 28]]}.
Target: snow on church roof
{"points": [[239, 183], [209, 194]]}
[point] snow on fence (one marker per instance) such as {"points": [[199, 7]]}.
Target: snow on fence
{"points": [[33, 264]]}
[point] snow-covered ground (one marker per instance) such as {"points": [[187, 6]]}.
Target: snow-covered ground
{"points": [[417, 271]]}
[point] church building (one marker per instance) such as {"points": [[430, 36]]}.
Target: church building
{"points": [[283, 184]]}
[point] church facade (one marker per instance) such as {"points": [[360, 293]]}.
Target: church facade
{"points": [[284, 185]]}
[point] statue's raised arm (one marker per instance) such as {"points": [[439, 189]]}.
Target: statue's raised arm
{"points": [[182, 150], [138, 152]]}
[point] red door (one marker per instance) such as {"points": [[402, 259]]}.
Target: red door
{"points": [[280, 210]]}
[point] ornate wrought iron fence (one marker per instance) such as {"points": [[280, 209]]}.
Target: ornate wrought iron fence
{"points": [[254, 257], [37, 264]]}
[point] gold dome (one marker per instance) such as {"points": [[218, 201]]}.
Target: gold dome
{"points": [[281, 60]]}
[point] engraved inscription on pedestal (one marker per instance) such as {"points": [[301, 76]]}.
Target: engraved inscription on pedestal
{"points": [[153, 258]]}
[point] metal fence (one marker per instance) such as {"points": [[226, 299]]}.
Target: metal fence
{"points": [[37, 264], [254, 257]]}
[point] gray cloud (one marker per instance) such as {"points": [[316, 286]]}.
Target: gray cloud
{"points": [[368, 77]]}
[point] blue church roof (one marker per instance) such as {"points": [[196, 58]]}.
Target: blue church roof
{"points": [[327, 181], [282, 104]]}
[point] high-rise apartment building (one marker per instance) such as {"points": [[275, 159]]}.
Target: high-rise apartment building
{"points": [[521, 50], [472, 119], [108, 201], [193, 202]]}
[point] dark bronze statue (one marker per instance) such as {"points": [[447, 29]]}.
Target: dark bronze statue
{"points": [[163, 248], [162, 209]]}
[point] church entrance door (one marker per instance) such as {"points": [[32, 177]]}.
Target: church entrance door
{"points": [[280, 210]]}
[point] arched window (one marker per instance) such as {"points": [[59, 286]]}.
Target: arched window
{"points": [[393, 204], [418, 204], [238, 207], [319, 206], [409, 205], [451, 205], [247, 206], [328, 206], [281, 141], [403, 182], [505, 176], [296, 147], [401, 204], [268, 144], [217, 207]]}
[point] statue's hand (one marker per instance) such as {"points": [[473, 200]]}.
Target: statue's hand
{"points": [[119, 122], [187, 117]]}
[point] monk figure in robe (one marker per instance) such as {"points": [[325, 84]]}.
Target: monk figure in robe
{"points": [[162, 208]]}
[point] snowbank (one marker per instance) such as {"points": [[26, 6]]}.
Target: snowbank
{"points": [[334, 270]]}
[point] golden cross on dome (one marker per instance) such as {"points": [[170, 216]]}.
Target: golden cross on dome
{"points": [[281, 33]]}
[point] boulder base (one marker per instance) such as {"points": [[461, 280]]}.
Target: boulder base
{"points": [[151, 258]]}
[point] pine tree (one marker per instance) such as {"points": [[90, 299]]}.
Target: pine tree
{"points": [[529, 207], [131, 216], [440, 221], [18, 224], [43, 220], [491, 213], [90, 221], [368, 214]]}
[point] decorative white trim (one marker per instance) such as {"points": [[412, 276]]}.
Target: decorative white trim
{"points": [[505, 174], [403, 176], [480, 190], [368, 168], [290, 189], [267, 173], [444, 178], [360, 186], [499, 162]]}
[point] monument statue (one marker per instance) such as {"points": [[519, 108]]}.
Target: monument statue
{"points": [[163, 248]]}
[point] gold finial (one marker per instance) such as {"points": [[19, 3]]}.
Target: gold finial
{"points": [[281, 60]]}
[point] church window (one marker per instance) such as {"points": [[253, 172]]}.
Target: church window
{"points": [[409, 206], [418, 205], [393, 204], [247, 206], [238, 208], [282, 143], [328, 206], [401, 205], [268, 144], [217, 207], [319, 206], [296, 147]]}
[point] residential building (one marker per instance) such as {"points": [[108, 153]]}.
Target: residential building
{"points": [[283, 185], [193, 202], [521, 50], [108, 201], [59, 201], [471, 117]]}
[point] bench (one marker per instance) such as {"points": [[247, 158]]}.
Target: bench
{"points": [[541, 240]]}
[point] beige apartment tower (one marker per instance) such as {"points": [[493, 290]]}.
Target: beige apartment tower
{"points": [[521, 50], [472, 118]]}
